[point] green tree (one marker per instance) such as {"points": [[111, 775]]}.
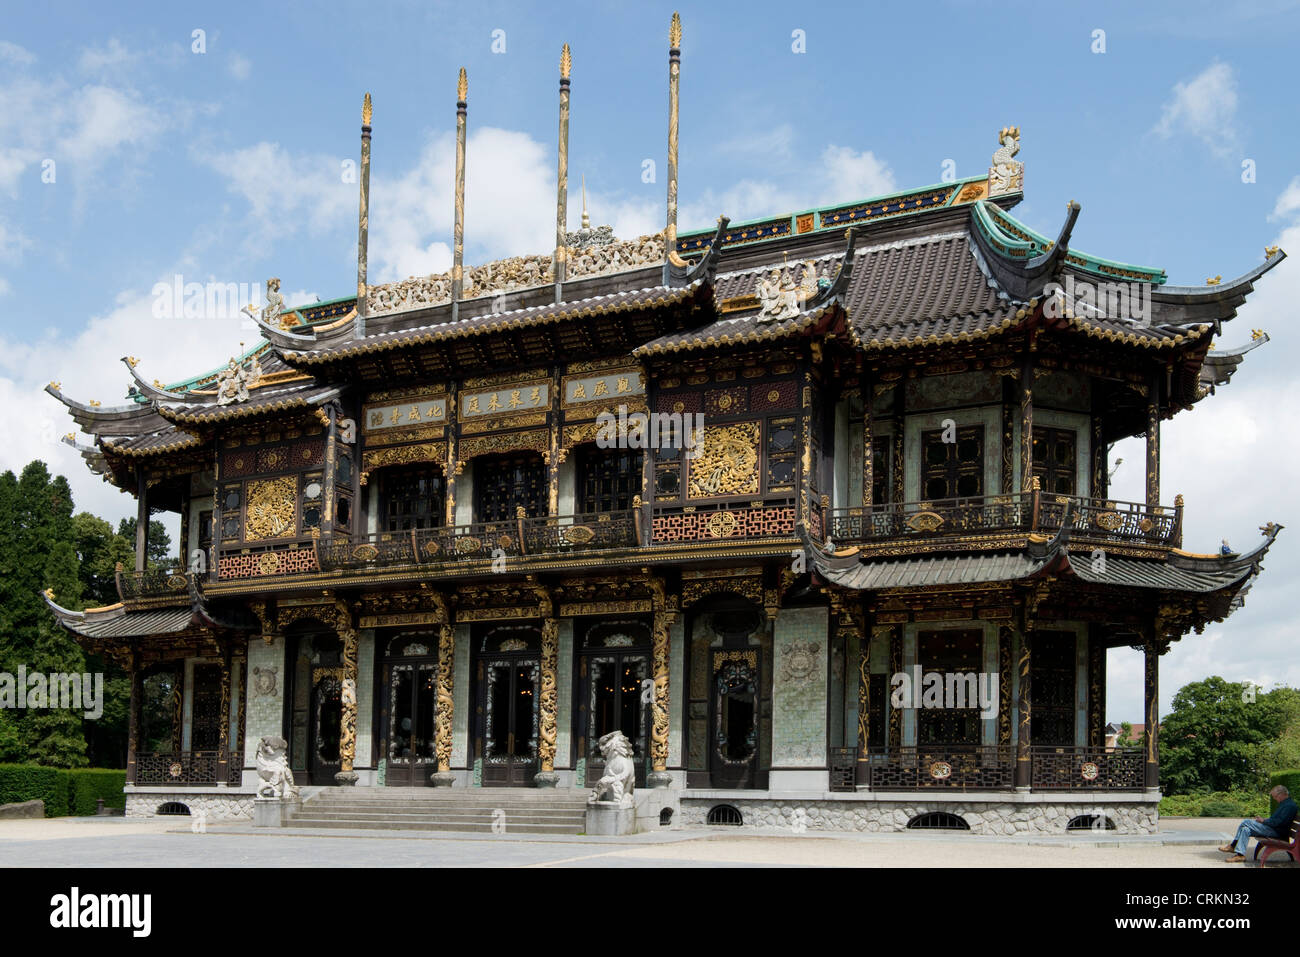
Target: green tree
{"points": [[1211, 740], [158, 545], [99, 550]]}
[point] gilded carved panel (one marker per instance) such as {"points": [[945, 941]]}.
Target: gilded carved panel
{"points": [[726, 463], [272, 509]]}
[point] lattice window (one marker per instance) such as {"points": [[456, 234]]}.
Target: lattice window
{"points": [[607, 479], [1051, 688], [412, 498], [938, 821], [205, 733], [952, 469], [947, 653], [502, 485], [782, 451], [1055, 452]]}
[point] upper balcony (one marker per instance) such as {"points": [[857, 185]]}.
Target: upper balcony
{"points": [[977, 523]]}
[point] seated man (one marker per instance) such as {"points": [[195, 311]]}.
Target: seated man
{"points": [[1278, 826]]}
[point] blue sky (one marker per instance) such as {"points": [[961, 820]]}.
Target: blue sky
{"points": [[227, 165]]}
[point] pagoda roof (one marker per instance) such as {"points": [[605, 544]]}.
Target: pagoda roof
{"points": [[115, 621], [1177, 571]]}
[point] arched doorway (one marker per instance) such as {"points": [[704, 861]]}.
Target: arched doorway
{"points": [[613, 666], [729, 712], [507, 675], [408, 706], [314, 701]]}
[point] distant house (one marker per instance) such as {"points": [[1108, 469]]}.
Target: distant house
{"points": [[1113, 734]]}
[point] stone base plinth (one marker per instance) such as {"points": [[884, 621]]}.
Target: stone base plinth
{"points": [[268, 812], [610, 820], [546, 779], [442, 779], [346, 779]]}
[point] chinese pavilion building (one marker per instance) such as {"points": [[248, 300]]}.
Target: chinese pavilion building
{"points": [[407, 551]]}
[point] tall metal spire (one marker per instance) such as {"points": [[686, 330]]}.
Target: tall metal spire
{"points": [[458, 236], [674, 71], [562, 176], [363, 218]]}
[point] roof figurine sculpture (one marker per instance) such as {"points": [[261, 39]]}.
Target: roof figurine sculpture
{"points": [[1006, 175]]}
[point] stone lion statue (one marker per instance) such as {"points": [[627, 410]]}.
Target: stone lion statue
{"points": [[620, 773], [273, 769]]}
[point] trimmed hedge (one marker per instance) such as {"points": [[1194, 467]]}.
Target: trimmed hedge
{"points": [[64, 792], [89, 784], [1238, 804], [1288, 779], [28, 782]]}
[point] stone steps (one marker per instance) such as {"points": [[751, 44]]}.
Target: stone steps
{"points": [[531, 811]]}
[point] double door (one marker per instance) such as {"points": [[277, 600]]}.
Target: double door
{"points": [[408, 714], [612, 696], [506, 738]]}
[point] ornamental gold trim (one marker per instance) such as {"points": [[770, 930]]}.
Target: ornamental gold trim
{"points": [[272, 509]]}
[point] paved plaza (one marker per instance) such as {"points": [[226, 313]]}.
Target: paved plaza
{"points": [[117, 842]]}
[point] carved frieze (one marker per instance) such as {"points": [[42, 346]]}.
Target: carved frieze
{"points": [[726, 463], [272, 509]]}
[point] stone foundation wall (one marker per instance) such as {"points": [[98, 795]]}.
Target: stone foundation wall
{"points": [[983, 818], [215, 807]]}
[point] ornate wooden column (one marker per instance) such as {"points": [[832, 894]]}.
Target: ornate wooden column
{"points": [[1153, 443], [548, 700], [1023, 762], [1008, 431], [1152, 650], [868, 456], [223, 725], [894, 741], [900, 408], [1096, 689], [660, 650], [141, 520], [329, 496], [133, 714], [1027, 424], [348, 719], [444, 707]]}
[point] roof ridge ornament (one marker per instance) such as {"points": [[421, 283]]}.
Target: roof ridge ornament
{"points": [[234, 381], [1006, 175]]}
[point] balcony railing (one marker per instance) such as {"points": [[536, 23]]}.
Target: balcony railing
{"points": [[153, 583], [1087, 769], [162, 768], [543, 536], [1093, 520], [992, 768], [939, 767]]}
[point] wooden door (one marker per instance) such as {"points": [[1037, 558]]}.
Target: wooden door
{"points": [[734, 712], [508, 719], [409, 722]]}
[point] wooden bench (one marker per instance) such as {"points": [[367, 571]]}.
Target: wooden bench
{"points": [[1270, 845]]}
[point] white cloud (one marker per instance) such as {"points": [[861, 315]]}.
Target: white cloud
{"points": [[240, 67], [13, 53], [1288, 204], [113, 54], [1205, 107]]}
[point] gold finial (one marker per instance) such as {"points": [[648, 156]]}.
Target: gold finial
{"points": [[56, 386], [1256, 334], [1212, 345], [1270, 251], [586, 220], [1035, 485], [566, 62], [158, 385], [366, 111], [94, 403], [49, 593], [462, 86], [71, 436], [1178, 500], [133, 361], [675, 31], [1214, 280]]}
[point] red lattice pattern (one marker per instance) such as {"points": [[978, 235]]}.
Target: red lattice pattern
{"points": [[773, 395], [292, 561], [720, 524], [689, 401]]}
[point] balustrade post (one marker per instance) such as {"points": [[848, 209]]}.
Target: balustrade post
{"points": [[1036, 494], [1176, 536], [519, 526], [637, 509]]}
